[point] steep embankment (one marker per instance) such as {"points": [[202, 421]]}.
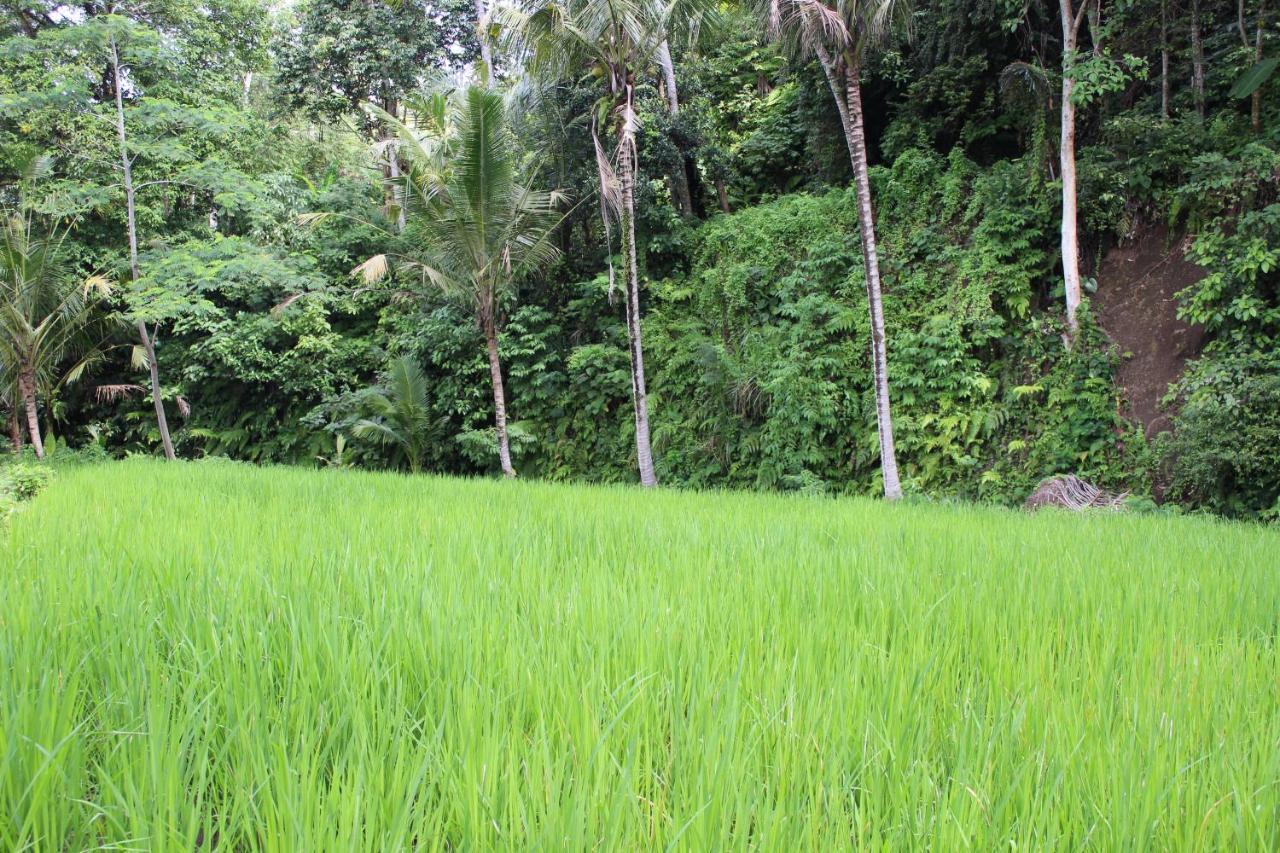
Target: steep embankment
{"points": [[1136, 306]]}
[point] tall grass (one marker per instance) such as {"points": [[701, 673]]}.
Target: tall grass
{"points": [[234, 658]]}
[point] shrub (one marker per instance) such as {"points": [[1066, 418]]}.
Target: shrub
{"points": [[23, 481], [1225, 453]]}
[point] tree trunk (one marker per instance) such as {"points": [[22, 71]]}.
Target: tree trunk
{"points": [[499, 399], [27, 389], [639, 395], [722, 193], [856, 137], [162, 420], [126, 165], [1197, 58], [1067, 166], [15, 431], [1255, 110], [396, 195], [1164, 59], [837, 90], [679, 181], [486, 53]]}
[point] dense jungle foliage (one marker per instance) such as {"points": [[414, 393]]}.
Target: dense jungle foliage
{"points": [[271, 157]]}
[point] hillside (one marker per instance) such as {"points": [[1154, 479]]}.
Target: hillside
{"points": [[216, 655]]}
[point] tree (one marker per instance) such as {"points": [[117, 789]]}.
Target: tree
{"points": [[1071, 20], [48, 314], [339, 55], [616, 40], [1197, 59], [399, 414], [145, 336], [342, 55], [1258, 72], [838, 33], [679, 175], [128, 76], [473, 226]]}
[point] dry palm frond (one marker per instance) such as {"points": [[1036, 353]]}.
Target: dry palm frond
{"points": [[372, 270], [279, 308], [610, 198], [111, 393], [184, 407], [1068, 491], [98, 284], [138, 358]]}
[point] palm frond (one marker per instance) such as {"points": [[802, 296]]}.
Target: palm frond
{"points": [[112, 393], [372, 270]]}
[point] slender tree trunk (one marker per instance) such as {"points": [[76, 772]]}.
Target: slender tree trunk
{"points": [[1255, 111], [856, 137], [679, 180], [1164, 59], [27, 389], [15, 431], [837, 89], [1197, 59], [395, 194], [148, 341], [644, 452], [486, 52], [499, 399], [153, 369], [1067, 166]]}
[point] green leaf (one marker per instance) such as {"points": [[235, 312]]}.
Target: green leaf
{"points": [[1250, 80]]}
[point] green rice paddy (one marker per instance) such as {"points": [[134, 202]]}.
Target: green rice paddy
{"points": [[213, 656]]}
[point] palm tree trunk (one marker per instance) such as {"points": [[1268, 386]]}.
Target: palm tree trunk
{"points": [[15, 432], [837, 90], [1067, 166], [639, 395], [126, 165], [396, 192], [499, 400], [27, 389], [679, 179], [856, 137]]}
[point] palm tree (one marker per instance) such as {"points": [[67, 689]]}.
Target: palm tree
{"points": [[616, 40], [838, 33], [48, 314], [399, 414], [472, 225]]}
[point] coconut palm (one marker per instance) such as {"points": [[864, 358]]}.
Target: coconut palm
{"points": [[473, 226], [48, 314], [615, 40], [399, 415], [838, 34]]}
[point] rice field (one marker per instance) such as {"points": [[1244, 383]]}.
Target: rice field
{"points": [[213, 656]]}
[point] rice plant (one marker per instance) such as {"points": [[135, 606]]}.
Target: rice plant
{"points": [[214, 656]]}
